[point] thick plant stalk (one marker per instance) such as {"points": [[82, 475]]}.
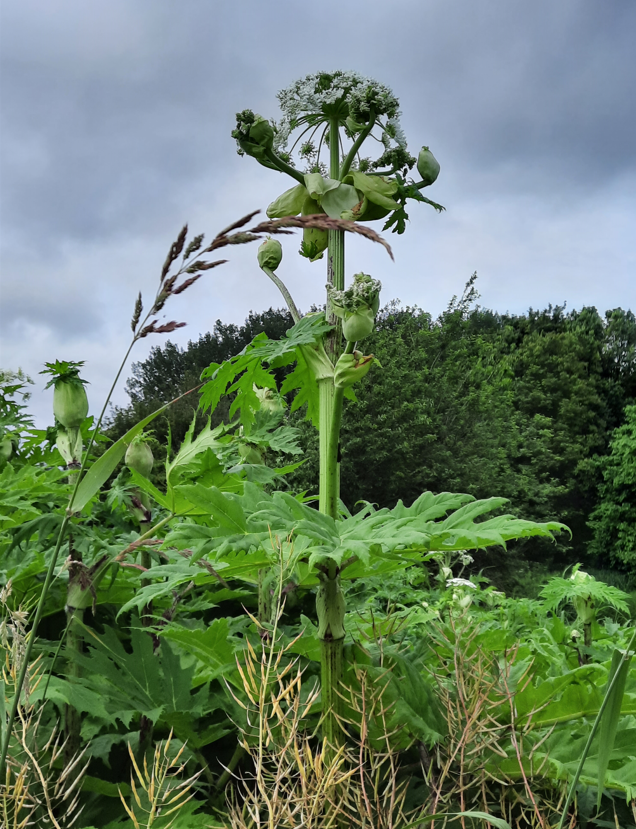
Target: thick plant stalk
{"points": [[74, 620], [72, 717], [330, 601], [74, 614]]}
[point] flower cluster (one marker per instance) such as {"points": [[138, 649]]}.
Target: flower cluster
{"points": [[357, 306], [349, 97]]}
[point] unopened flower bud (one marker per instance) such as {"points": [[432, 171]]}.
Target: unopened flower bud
{"points": [[270, 254], [70, 404], [357, 306], [270, 401], [427, 166], [139, 457], [262, 133]]}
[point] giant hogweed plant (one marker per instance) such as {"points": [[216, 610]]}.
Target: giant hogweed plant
{"points": [[330, 120]]}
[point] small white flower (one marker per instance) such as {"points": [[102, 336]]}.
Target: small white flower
{"points": [[466, 558], [460, 583]]}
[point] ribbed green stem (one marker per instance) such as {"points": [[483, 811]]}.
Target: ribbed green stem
{"points": [[331, 653], [326, 394], [146, 561], [72, 717], [330, 419], [264, 596], [284, 167]]}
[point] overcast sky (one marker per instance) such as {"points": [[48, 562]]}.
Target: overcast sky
{"points": [[116, 120]]}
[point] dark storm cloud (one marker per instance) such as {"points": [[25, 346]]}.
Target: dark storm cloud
{"points": [[111, 110], [116, 117]]}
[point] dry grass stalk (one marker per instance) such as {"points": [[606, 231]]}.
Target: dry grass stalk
{"points": [[476, 691], [159, 792], [35, 792]]}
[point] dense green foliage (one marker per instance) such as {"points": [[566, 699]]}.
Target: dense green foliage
{"points": [[157, 628], [614, 519], [532, 400]]}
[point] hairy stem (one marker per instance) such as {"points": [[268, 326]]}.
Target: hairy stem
{"points": [[293, 310], [72, 717], [331, 653]]}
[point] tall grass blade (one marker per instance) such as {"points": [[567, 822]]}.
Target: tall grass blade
{"points": [[609, 722]]}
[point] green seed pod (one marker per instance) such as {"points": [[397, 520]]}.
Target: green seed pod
{"points": [[427, 166], [139, 457], [270, 254], [330, 609], [70, 404]]}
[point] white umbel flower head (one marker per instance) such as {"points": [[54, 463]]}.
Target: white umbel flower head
{"points": [[460, 583]]}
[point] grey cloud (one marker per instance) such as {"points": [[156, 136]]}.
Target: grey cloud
{"points": [[116, 128]]}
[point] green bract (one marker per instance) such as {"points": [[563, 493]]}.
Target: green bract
{"points": [[69, 444], [270, 254], [139, 457], [270, 401], [289, 203], [350, 368], [357, 306], [330, 609], [427, 166], [584, 603], [250, 453]]}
